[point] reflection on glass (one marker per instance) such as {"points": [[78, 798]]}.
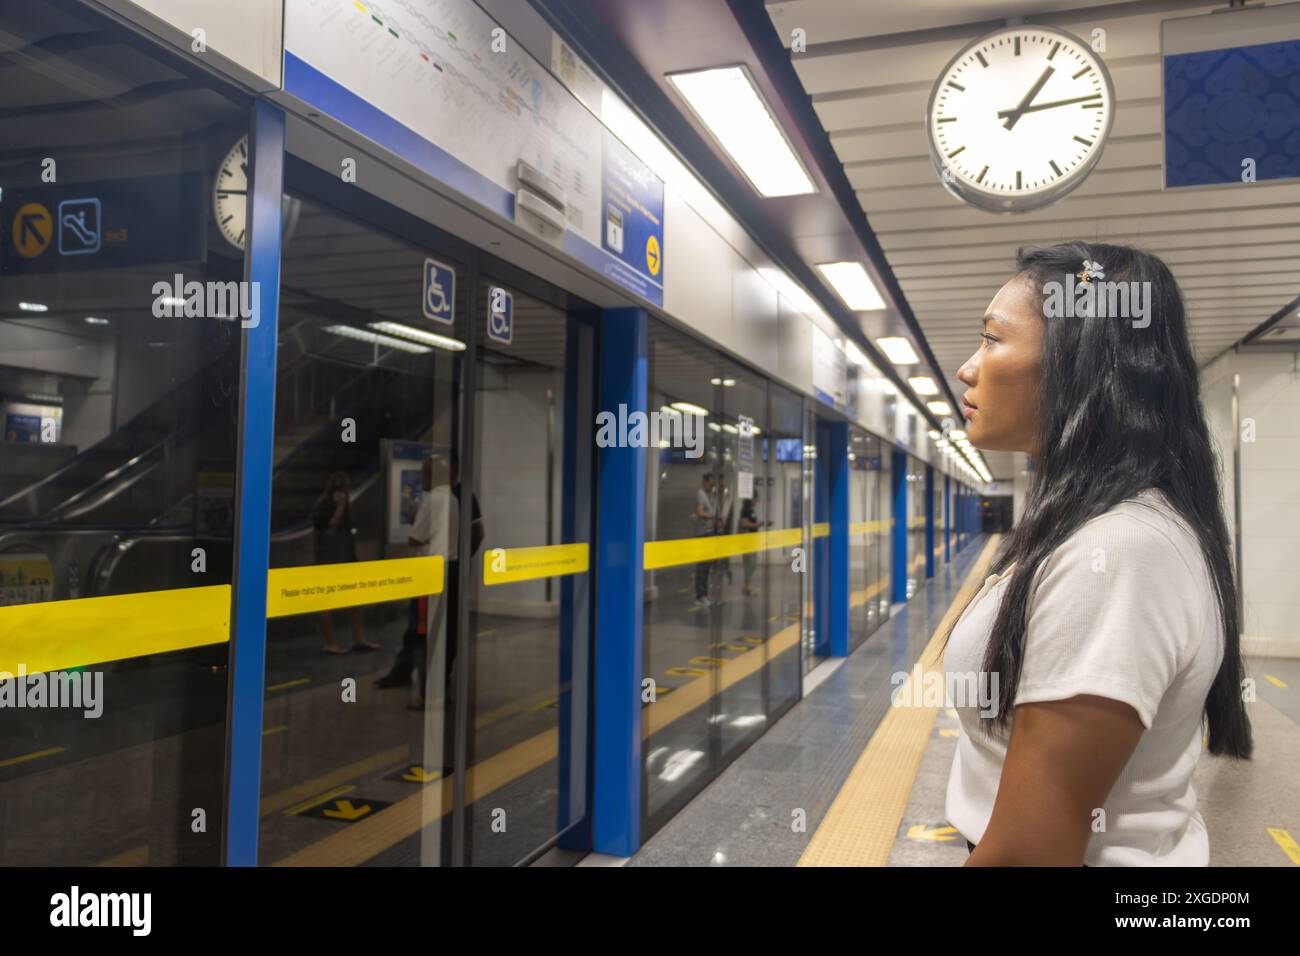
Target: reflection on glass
{"points": [[786, 579], [723, 578], [117, 456], [529, 616], [358, 716]]}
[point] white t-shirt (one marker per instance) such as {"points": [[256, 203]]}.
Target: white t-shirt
{"points": [[1125, 608], [436, 523], [704, 506]]}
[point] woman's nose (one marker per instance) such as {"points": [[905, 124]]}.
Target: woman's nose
{"points": [[966, 373]]}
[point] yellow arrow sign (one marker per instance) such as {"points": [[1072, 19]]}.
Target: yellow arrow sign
{"points": [[652, 255], [917, 831], [346, 811], [33, 230]]}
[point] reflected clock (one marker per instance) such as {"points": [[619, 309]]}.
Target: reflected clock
{"points": [[230, 194], [1018, 118]]}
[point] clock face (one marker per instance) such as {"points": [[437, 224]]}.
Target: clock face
{"points": [[230, 194], [1019, 118]]}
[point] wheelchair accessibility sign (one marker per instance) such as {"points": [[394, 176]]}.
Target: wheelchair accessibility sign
{"points": [[439, 302], [501, 315]]}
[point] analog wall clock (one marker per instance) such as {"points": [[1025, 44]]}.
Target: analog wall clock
{"points": [[1018, 118], [230, 194]]}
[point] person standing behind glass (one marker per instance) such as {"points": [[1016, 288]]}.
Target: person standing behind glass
{"points": [[749, 523], [428, 536], [332, 520], [705, 525], [725, 503]]}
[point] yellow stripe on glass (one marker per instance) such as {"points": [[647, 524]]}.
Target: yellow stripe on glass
{"points": [[324, 587], [678, 551], [57, 635], [507, 565]]}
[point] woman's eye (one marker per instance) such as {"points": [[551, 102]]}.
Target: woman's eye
{"points": [[986, 337]]}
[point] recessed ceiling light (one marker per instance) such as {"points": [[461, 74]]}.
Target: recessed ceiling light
{"points": [[715, 381], [33, 307], [690, 408], [728, 382], [419, 335], [923, 385], [729, 104], [715, 426], [898, 350], [939, 408], [95, 320], [374, 338], [852, 284]]}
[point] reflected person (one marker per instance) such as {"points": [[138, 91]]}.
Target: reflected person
{"points": [[331, 519]]}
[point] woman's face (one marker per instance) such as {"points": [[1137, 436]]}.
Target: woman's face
{"points": [[1001, 406]]}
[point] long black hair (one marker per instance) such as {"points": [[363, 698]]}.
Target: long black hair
{"points": [[1119, 412]]}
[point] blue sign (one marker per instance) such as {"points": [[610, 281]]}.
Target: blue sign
{"points": [[501, 316], [79, 229], [1232, 115], [632, 217], [24, 428], [439, 300]]}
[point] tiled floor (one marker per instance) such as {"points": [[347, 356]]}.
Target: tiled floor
{"points": [[764, 808]]}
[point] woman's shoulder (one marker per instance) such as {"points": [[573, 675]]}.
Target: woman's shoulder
{"points": [[1144, 532]]}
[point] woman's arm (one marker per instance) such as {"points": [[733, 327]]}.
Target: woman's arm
{"points": [[1062, 760]]}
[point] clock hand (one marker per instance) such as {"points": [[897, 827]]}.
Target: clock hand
{"points": [[1047, 106], [1013, 116]]}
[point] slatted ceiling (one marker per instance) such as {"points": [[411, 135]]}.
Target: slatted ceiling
{"points": [[867, 18], [869, 70]]}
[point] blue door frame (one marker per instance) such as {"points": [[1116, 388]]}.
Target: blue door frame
{"points": [[253, 490]]}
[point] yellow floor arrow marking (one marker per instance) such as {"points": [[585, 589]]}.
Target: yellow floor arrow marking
{"points": [[420, 775], [1276, 682], [1287, 843], [346, 811]]}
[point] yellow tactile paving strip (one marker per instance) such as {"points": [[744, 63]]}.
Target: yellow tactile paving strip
{"points": [[860, 826]]}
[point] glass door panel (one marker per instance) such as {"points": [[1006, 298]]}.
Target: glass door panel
{"points": [[529, 620]]}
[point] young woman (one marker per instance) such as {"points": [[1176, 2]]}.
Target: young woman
{"points": [[1109, 622]]}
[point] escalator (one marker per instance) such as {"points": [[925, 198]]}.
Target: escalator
{"points": [[84, 517]]}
